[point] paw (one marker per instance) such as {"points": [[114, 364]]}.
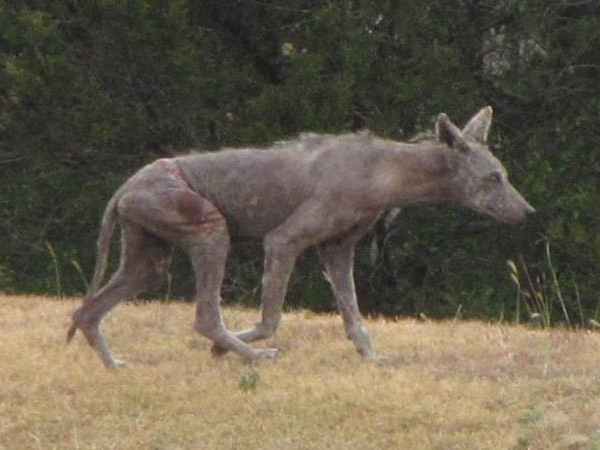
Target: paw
{"points": [[268, 353], [264, 354], [115, 364]]}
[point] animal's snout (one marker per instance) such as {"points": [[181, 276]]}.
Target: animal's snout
{"points": [[529, 210]]}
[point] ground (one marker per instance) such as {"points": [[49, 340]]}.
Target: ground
{"points": [[438, 385]]}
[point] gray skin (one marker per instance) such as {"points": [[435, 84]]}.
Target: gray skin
{"points": [[319, 190]]}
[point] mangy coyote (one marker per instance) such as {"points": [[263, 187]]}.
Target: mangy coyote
{"points": [[317, 189]]}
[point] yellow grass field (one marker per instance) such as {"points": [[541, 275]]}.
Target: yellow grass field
{"points": [[441, 385]]}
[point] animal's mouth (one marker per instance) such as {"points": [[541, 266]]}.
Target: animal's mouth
{"points": [[513, 219], [503, 217]]}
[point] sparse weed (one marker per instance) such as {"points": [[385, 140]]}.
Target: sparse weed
{"points": [[523, 443], [532, 415], [595, 440], [540, 293], [249, 380]]}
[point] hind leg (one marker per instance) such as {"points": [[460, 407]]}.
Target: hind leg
{"points": [[170, 209], [202, 233], [144, 258], [208, 258]]}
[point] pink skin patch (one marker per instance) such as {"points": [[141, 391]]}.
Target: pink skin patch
{"points": [[200, 213], [170, 167]]}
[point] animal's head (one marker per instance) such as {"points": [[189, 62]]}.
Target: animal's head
{"points": [[479, 181]]}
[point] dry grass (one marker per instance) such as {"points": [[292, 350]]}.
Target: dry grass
{"points": [[463, 385]]}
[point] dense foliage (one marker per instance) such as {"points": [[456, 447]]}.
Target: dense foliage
{"points": [[91, 90]]}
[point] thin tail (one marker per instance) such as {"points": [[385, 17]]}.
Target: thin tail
{"points": [[106, 230]]}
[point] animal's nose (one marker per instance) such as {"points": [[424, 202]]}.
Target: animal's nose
{"points": [[529, 210]]}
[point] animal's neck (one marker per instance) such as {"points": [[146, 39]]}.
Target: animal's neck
{"points": [[418, 173]]}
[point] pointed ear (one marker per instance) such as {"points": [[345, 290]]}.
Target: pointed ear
{"points": [[449, 134], [477, 128]]}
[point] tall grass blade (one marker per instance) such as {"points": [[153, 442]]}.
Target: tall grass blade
{"points": [[56, 266], [81, 274], [514, 275], [556, 285]]}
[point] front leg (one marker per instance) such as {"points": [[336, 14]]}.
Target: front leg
{"points": [[337, 256], [338, 259]]}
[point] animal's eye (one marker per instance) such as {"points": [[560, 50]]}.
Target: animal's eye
{"points": [[496, 176]]}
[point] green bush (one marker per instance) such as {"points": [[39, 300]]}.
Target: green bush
{"points": [[90, 91]]}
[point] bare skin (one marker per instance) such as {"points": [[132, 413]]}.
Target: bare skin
{"points": [[318, 190]]}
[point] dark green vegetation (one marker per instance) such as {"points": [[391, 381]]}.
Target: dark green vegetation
{"points": [[92, 90]]}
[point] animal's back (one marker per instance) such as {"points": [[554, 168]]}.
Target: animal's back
{"points": [[255, 189]]}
